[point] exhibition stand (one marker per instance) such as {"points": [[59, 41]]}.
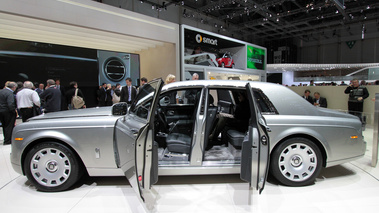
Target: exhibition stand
{"points": [[214, 56]]}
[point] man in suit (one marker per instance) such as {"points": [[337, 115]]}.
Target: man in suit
{"points": [[40, 88], [128, 92], [51, 97], [320, 101], [102, 94], [307, 96], [8, 110], [63, 94]]}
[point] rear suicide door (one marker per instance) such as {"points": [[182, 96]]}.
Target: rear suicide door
{"points": [[255, 147]]}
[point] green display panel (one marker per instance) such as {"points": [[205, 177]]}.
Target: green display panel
{"points": [[256, 58]]}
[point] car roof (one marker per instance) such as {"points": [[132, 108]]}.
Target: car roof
{"points": [[285, 100], [222, 83]]}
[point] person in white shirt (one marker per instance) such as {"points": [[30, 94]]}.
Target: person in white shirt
{"points": [[25, 100]]}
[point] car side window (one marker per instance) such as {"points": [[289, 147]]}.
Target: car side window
{"points": [[264, 104], [188, 96], [142, 104]]}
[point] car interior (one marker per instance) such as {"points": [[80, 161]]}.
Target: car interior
{"points": [[175, 119]]}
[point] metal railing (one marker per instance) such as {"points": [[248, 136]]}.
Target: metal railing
{"points": [[374, 160]]}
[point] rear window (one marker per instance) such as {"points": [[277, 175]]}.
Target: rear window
{"points": [[264, 104]]}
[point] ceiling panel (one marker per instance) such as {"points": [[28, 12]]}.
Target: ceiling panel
{"points": [[29, 29]]}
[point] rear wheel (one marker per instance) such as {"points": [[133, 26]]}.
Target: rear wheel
{"points": [[52, 167], [296, 162]]}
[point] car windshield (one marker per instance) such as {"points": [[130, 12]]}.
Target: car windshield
{"points": [[141, 105]]}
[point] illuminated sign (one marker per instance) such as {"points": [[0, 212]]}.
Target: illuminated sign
{"points": [[256, 58], [201, 39]]}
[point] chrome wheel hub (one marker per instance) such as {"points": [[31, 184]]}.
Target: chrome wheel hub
{"points": [[50, 167], [297, 162]]}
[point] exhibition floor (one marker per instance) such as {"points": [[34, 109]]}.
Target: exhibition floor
{"points": [[351, 187]]}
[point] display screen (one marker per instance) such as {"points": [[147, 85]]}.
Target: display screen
{"points": [[256, 58]]}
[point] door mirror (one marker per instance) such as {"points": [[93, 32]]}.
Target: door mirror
{"points": [[120, 108]]}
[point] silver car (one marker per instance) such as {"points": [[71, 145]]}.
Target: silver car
{"points": [[189, 128]]}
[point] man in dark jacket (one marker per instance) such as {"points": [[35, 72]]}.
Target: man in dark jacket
{"points": [[8, 110], [320, 101], [307, 96], [102, 94], [128, 92], [357, 94], [51, 97]]}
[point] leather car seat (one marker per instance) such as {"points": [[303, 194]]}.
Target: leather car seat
{"points": [[235, 138], [181, 143], [178, 142]]}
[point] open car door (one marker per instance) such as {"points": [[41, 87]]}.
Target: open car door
{"points": [[135, 150], [255, 147]]}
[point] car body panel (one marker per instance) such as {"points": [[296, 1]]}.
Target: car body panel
{"points": [[88, 130], [95, 152]]}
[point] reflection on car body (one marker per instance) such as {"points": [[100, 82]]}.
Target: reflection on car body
{"points": [[53, 150]]}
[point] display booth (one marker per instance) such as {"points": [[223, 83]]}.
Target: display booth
{"points": [[213, 56], [47, 39]]}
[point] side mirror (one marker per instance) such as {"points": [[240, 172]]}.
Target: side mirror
{"points": [[120, 108]]}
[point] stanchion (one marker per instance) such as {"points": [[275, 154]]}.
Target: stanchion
{"points": [[375, 139]]}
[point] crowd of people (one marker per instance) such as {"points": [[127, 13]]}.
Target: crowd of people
{"points": [[342, 83], [357, 92], [108, 94], [26, 99]]}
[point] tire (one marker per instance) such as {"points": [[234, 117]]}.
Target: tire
{"points": [[52, 167], [222, 64], [296, 162], [232, 66]]}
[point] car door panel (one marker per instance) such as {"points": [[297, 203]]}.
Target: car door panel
{"points": [[255, 147], [135, 149]]}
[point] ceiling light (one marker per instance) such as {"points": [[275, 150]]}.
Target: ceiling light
{"points": [[368, 7]]}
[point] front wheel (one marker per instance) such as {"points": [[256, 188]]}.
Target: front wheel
{"points": [[296, 162], [52, 167]]}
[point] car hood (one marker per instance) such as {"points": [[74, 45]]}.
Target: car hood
{"points": [[89, 112]]}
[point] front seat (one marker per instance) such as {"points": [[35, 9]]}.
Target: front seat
{"points": [[178, 142], [181, 143]]}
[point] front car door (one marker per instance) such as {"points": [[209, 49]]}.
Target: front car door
{"points": [[135, 149], [255, 147]]}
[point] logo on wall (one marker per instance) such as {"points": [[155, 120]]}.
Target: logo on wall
{"points": [[350, 44], [205, 40]]}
